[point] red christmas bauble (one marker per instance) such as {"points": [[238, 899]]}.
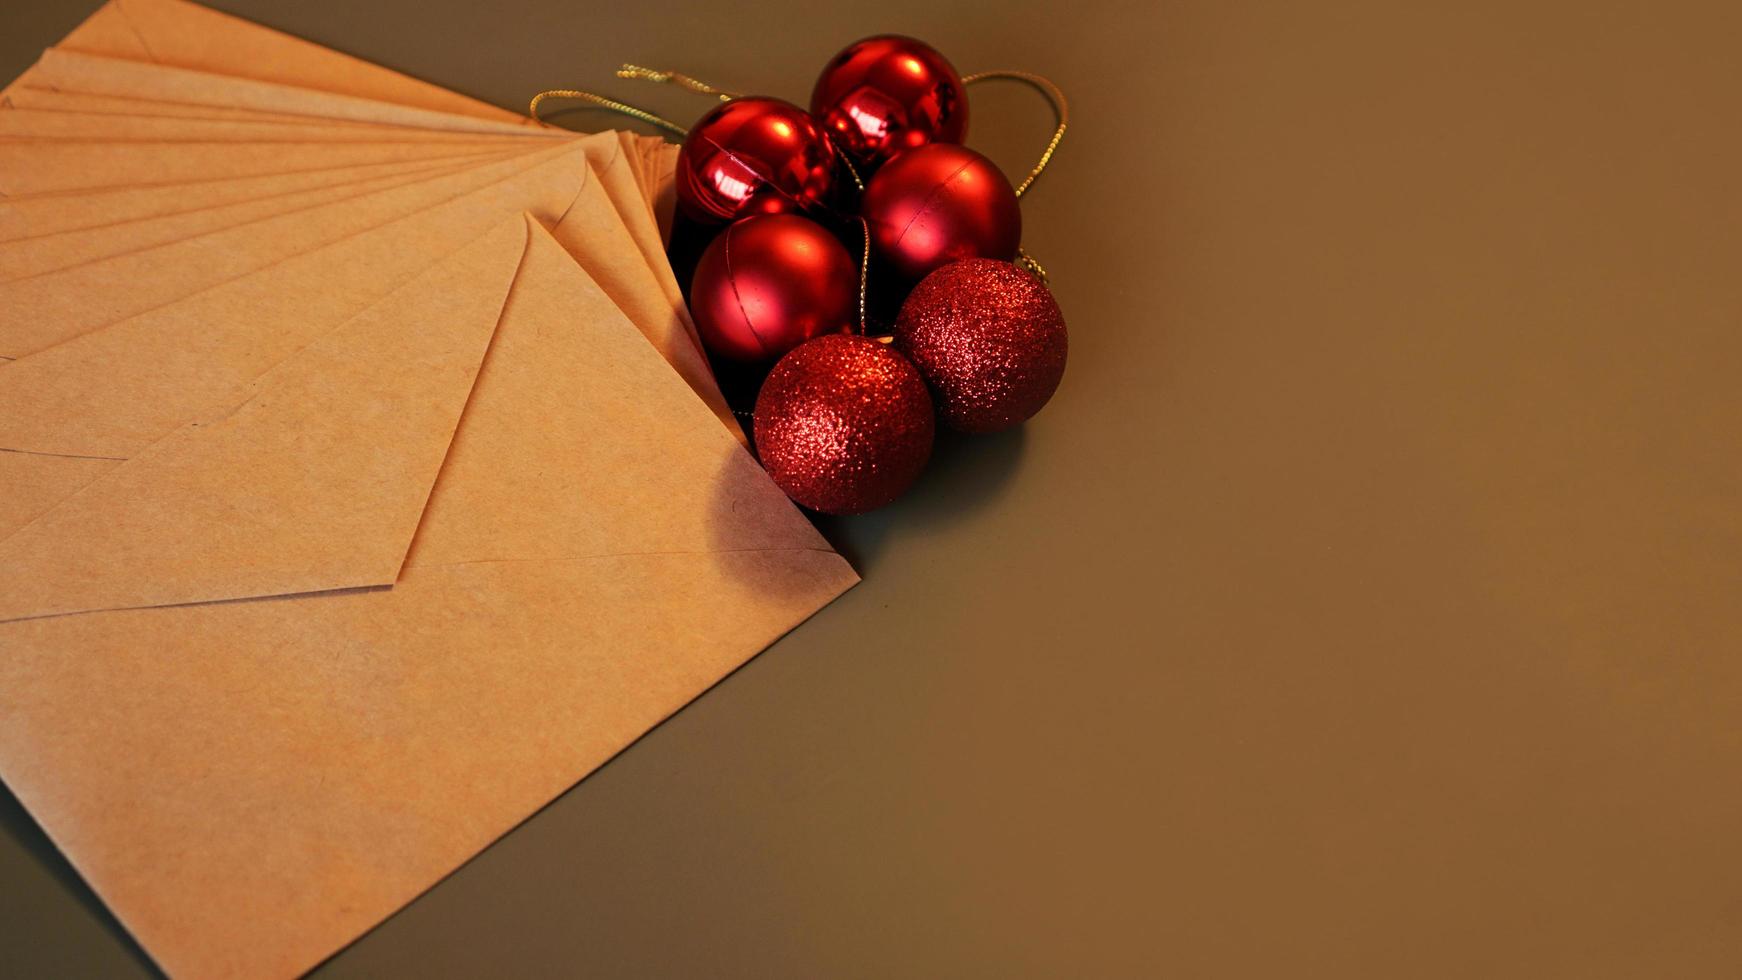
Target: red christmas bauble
{"points": [[886, 94], [769, 283], [754, 156], [990, 340], [940, 203], [844, 424]]}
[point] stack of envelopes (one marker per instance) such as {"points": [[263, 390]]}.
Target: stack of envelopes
{"points": [[363, 484]]}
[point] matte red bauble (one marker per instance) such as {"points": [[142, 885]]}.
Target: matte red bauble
{"points": [[769, 283], [990, 340], [844, 424], [940, 203], [754, 156], [887, 94]]}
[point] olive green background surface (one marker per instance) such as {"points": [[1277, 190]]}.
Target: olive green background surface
{"points": [[1366, 604]]}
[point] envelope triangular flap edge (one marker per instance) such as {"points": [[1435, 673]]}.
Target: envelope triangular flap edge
{"points": [[414, 725], [315, 481]]}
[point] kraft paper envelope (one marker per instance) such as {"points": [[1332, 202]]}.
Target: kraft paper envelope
{"points": [[595, 553], [46, 124], [71, 71], [620, 182], [55, 214], [57, 306], [224, 55], [48, 167], [119, 106], [646, 228], [72, 409], [186, 35], [54, 306], [587, 225], [93, 396], [25, 97], [309, 478], [49, 253], [128, 107], [661, 160], [58, 167], [632, 152], [650, 150], [104, 74]]}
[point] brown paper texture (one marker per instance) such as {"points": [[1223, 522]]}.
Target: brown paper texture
{"points": [[30, 483], [302, 766], [186, 35], [652, 246], [83, 296], [651, 152], [58, 306], [71, 71], [631, 147], [109, 394], [606, 251], [113, 390], [616, 175], [26, 97], [58, 124], [42, 254], [50, 214], [61, 167], [314, 480], [605, 149]]}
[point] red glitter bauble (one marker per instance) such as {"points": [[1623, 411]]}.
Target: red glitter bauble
{"points": [[769, 283], [931, 206], [887, 94], [754, 156], [844, 424], [990, 340]]}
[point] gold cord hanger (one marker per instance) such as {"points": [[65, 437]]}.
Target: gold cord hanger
{"points": [[1060, 108], [1045, 86], [604, 103], [677, 78]]}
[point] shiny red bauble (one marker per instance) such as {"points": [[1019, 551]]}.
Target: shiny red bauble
{"points": [[769, 283], [989, 339], [887, 94], [844, 424], [754, 156], [937, 204]]}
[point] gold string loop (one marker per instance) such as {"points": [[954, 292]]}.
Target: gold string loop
{"points": [[864, 271], [604, 103], [677, 78], [1042, 84], [1027, 261], [1060, 107], [847, 161]]}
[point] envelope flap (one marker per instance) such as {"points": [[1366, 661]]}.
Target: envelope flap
{"points": [[597, 552], [316, 481], [186, 35], [74, 71], [108, 32], [113, 392], [61, 306], [580, 424]]}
